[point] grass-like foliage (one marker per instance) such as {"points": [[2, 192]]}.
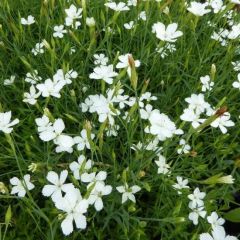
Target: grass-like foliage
{"points": [[119, 120]]}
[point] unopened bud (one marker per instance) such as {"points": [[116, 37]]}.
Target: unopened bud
{"points": [[88, 125], [60, 216], [134, 77], [226, 179], [221, 111], [48, 114], [90, 22], [46, 44], [132, 208], [218, 179], [193, 153], [213, 71], [3, 188], [72, 93], [141, 174]]}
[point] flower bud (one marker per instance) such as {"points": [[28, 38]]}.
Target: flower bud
{"points": [[213, 71], [90, 22], [3, 188]]}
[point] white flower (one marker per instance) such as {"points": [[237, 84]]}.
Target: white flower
{"points": [[235, 32], [118, 7], [58, 185], [71, 74], [181, 184], [217, 5], [9, 81], [194, 215], [128, 192], [146, 96], [31, 96], [207, 84], [102, 106], [196, 198], [112, 130], [100, 59], [43, 123], [146, 113], [221, 36], [161, 125], [222, 122], [236, 84], [73, 14], [21, 186], [64, 143], [50, 88], [197, 103], [5, 124], [118, 97], [47, 130], [74, 207], [81, 166], [59, 31], [163, 167], [150, 146], [93, 178], [185, 148], [142, 16], [95, 197], [33, 77], [72, 50], [215, 220], [218, 233], [198, 9], [129, 25], [124, 63], [105, 73], [168, 34], [132, 3], [153, 145], [235, 1], [82, 141], [61, 79], [38, 49], [30, 20], [137, 147], [236, 66], [189, 115]]}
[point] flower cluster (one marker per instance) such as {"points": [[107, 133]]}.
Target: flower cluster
{"points": [[118, 122], [50, 87]]}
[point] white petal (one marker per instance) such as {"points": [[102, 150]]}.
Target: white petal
{"points": [[205, 236], [124, 197], [14, 181], [52, 177], [48, 190], [63, 176], [22, 193], [98, 204], [58, 126], [80, 221], [67, 225]]}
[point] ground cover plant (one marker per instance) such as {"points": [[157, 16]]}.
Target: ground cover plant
{"points": [[119, 119]]}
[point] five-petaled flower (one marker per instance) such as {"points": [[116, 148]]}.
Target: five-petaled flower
{"points": [[21, 186], [5, 122], [128, 192]]}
